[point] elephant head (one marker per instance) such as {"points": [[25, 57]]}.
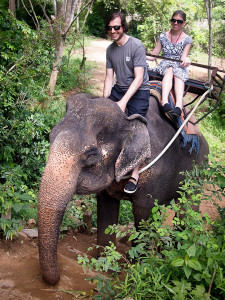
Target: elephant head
{"points": [[92, 146]]}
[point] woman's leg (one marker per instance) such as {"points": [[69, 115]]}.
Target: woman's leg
{"points": [[167, 84], [179, 91]]}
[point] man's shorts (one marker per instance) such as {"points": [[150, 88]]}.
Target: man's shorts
{"points": [[138, 103]]}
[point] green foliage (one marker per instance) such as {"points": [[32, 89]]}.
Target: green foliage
{"points": [[26, 58], [101, 9], [183, 261], [104, 287], [15, 199], [25, 55], [73, 217], [96, 19], [23, 153], [108, 260], [125, 214], [212, 127], [74, 74], [156, 16], [10, 227]]}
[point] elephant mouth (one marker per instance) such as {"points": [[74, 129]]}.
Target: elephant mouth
{"points": [[91, 181]]}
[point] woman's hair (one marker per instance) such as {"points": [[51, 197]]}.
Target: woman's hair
{"points": [[117, 15], [180, 12]]}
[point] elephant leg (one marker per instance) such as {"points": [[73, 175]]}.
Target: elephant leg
{"points": [[108, 213], [142, 210]]}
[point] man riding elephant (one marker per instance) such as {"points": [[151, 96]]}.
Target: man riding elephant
{"points": [[127, 59]]}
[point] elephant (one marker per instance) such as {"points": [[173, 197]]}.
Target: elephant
{"points": [[91, 150]]}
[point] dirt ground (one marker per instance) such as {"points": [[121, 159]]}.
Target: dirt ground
{"points": [[20, 277]]}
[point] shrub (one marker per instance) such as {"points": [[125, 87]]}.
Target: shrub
{"points": [[25, 59], [183, 261]]}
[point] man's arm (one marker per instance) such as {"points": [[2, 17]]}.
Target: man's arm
{"points": [[138, 79], [108, 83]]}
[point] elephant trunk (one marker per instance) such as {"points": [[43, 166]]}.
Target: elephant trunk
{"points": [[48, 239], [57, 188]]}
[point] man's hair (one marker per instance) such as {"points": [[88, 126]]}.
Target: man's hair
{"points": [[117, 15]]}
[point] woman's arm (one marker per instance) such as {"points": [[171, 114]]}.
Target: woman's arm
{"points": [[185, 59], [155, 51]]}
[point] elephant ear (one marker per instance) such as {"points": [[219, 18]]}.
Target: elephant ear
{"points": [[136, 147]]}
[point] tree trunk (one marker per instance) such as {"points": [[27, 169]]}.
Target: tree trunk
{"points": [[64, 11], [208, 5], [12, 6], [64, 14], [56, 65]]}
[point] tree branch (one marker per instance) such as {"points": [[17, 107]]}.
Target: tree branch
{"points": [[11, 68], [85, 18], [212, 279], [47, 17], [31, 5], [65, 33], [34, 20]]}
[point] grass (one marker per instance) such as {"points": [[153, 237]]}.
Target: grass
{"points": [[215, 136]]}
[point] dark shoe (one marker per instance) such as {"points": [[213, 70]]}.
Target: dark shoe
{"points": [[167, 108], [177, 111], [131, 186]]}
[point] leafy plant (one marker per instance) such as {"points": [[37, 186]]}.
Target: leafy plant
{"points": [[108, 260], [75, 210], [182, 261], [25, 58]]}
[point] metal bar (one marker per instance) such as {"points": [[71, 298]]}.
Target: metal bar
{"points": [[221, 78], [192, 101], [215, 96], [213, 75], [220, 84], [210, 111], [193, 64]]}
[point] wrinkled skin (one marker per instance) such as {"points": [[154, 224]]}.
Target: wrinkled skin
{"points": [[91, 150]]}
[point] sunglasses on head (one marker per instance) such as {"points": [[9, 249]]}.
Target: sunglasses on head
{"points": [[116, 27], [178, 21]]}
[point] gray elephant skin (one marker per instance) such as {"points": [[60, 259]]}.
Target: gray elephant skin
{"points": [[91, 150]]}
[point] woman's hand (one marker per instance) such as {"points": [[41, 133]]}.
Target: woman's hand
{"points": [[185, 63]]}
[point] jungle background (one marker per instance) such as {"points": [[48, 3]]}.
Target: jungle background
{"points": [[50, 50]]}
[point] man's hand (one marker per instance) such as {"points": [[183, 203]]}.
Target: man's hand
{"points": [[138, 79], [122, 105]]}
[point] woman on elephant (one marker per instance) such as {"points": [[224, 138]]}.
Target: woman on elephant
{"points": [[175, 44]]}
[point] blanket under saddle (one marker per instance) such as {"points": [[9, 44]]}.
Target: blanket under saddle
{"points": [[190, 133]]}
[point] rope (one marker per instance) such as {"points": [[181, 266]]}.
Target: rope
{"points": [[175, 136]]}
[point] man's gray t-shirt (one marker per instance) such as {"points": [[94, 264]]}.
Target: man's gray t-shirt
{"points": [[123, 60]]}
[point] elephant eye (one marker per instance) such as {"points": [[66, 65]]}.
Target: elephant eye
{"points": [[91, 157]]}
